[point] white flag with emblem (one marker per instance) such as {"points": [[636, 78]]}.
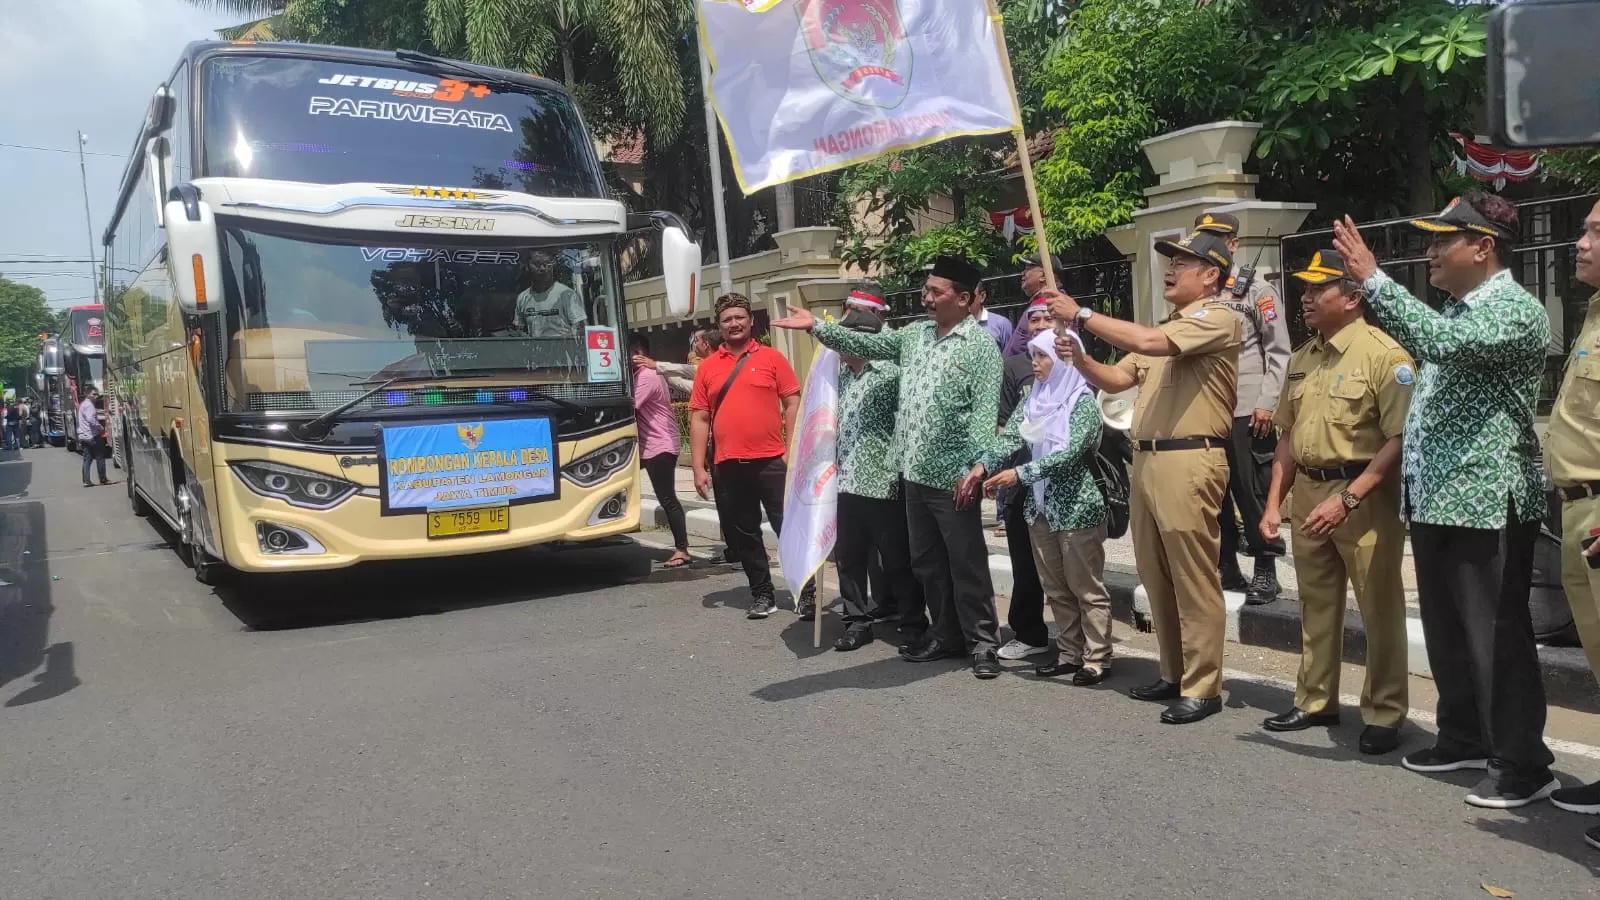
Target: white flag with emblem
{"points": [[808, 86], [812, 496]]}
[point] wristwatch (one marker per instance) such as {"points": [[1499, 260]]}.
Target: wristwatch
{"points": [[1083, 316], [1351, 501]]}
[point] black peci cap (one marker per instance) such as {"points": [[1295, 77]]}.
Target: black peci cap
{"points": [[958, 269]]}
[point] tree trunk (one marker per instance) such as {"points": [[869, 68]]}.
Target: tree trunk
{"points": [[1415, 141], [566, 63]]}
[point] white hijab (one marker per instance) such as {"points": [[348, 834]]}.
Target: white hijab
{"points": [[1047, 413]]}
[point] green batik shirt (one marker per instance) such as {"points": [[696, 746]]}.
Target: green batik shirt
{"points": [[1072, 500], [949, 393], [1469, 442], [868, 466]]}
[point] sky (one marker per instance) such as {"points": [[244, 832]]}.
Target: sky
{"points": [[88, 65]]}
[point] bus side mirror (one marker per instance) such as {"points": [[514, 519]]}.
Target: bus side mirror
{"points": [[193, 253], [680, 267], [1542, 74]]}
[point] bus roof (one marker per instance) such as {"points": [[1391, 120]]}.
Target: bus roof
{"points": [[199, 50]]}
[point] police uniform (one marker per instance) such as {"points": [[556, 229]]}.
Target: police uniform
{"points": [[1181, 421], [1263, 356], [1347, 397]]}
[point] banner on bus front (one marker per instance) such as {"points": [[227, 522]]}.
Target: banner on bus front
{"points": [[460, 464]]}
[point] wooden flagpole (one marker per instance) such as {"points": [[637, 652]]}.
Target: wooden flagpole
{"points": [[822, 601], [1022, 147]]}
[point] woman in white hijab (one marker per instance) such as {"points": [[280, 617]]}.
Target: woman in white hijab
{"points": [[1060, 423]]}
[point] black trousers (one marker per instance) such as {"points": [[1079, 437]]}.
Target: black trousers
{"points": [[952, 563], [1472, 584], [747, 486], [1249, 477], [663, 471], [1026, 616], [870, 529]]}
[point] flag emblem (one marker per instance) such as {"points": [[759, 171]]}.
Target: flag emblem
{"points": [[471, 435], [859, 49]]}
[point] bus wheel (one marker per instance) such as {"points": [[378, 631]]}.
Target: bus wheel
{"points": [[207, 570]]}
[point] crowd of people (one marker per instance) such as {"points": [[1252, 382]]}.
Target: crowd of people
{"points": [[1395, 418]]}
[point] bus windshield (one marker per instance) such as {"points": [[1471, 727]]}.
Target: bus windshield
{"points": [[313, 322], [326, 122]]}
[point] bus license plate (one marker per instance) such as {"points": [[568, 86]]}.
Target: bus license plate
{"points": [[478, 520]]}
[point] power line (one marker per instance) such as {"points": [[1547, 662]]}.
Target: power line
{"points": [[61, 150]]}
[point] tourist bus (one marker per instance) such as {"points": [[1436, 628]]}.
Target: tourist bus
{"points": [[83, 359], [50, 383], [367, 305]]}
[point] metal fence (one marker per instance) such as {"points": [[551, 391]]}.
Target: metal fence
{"points": [[1544, 265]]}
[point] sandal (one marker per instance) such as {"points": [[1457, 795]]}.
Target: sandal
{"points": [[677, 561]]}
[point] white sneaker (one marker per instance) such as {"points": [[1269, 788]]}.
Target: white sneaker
{"points": [[1019, 650]]}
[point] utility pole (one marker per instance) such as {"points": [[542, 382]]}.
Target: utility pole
{"points": [[88, 223]]}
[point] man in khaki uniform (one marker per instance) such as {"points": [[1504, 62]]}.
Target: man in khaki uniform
{"points": [[1187, 373], [1348, 392], [1572, 452]]}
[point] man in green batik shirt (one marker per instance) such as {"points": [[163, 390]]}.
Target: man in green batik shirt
{"points": [[949, 401], [1473, 491], [872, 506]]}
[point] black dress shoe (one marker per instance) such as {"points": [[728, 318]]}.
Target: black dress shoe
{"points": [[1379, 739], [931, 651], [1190, 710], [1056, 669], [1297, 719], [1264, 586], [985, 665], [853, 640], [1088, 675], [1156, 691]]}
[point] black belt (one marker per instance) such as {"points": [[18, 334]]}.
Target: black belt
{"points": [[1180, 444], [1342, 473], [1580, 491]]}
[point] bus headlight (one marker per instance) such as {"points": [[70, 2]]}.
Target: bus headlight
{"points": [[294, 486], [596, 466]]}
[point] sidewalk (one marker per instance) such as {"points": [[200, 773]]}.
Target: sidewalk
{"points": [[1568, 681]]}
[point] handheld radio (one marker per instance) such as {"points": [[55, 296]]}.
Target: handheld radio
{"points": [[1247, 274]]}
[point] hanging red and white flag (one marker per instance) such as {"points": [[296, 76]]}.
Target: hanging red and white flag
{"points": [[809, 86]]}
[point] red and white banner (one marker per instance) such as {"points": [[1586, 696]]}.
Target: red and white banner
{"points": [[811, 500], [808, 86]]}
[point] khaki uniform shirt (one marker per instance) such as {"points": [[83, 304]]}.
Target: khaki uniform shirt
{"points": [[1192, 394], [1347, 396], [1572, 441]]}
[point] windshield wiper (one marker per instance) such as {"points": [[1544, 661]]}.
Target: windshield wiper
{"points": [[318, 428], [486, 76]]}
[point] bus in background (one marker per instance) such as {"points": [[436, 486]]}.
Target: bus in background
{"points": [[368, 306], [50, 383], [83, 359]]}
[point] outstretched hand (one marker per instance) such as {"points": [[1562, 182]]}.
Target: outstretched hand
{"points": [[797, 320], [1359, 260], [1006, 479]]}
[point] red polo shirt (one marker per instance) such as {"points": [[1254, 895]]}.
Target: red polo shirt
{"points": [[749, 424]]}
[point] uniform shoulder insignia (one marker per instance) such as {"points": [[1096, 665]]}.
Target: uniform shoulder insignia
{"points": [[1268, 308], [1404, 374], [1200, 313]]}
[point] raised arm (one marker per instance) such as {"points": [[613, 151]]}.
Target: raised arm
{"points": [[885, 345], [1486, 335]]}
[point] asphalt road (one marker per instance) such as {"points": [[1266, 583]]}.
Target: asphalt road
{"points": [[574, 724]]}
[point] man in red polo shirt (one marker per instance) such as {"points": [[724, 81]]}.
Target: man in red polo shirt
{"points": [[745, 399]]}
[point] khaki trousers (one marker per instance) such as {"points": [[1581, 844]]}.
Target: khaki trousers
{"points": [[1582, 584], [1172, 514], [1367, 550], [1072, 570]]}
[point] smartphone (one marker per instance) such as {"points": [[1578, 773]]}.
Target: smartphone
{"points": [[1593, 561]]}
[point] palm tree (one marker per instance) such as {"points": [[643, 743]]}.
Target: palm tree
{"points": [[267, 22], [641, 37]]}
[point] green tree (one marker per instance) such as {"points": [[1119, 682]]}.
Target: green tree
{"points": [[1579, 166], [23, 317]]}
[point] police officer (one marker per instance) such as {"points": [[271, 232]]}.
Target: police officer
{"points": [[1187, 373], [1572, 449], [1349, 389], [1263, 356]]}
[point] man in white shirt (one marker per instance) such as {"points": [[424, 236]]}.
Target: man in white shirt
{"points": [[548, 308], [89, 443]]}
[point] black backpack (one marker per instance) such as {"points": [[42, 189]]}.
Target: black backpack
{"points": [[1110, 467]]}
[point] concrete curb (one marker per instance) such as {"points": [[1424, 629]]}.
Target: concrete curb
{"points": [[1568, 681]]}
